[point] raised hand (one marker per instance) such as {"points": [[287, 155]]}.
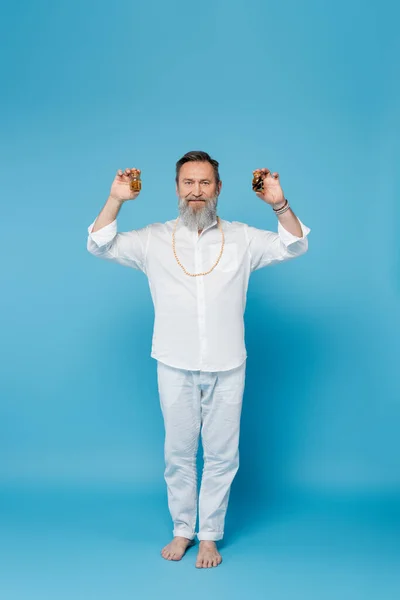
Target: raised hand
{"points": [[120, 188], [272, 192]]}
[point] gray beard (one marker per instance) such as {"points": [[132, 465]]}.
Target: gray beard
{"points": [[198, 218]]}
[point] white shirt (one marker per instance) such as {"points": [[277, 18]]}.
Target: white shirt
{"points": [[198, 323]]}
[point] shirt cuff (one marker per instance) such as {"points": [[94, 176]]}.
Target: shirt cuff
{"points": [[105, 234], [287, 237]]}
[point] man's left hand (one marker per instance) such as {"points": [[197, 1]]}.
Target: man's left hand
{"points": [[272, 192]]}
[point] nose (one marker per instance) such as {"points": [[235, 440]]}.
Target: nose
{"points": [[197, 189]]}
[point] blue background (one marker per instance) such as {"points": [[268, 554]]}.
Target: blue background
{"points": [[308, 89]]}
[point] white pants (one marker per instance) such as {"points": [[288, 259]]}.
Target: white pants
{"points": [[210, 403]]}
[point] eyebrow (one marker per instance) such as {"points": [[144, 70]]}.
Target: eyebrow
{"points": [[190, 179]]}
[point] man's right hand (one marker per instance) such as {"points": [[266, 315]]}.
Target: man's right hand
{"points": [[120, 188]]}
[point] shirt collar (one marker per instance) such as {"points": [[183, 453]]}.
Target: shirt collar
{"points": [[181, 225]]}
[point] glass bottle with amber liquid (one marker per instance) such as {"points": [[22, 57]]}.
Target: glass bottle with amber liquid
{"points": [[135, 182]]}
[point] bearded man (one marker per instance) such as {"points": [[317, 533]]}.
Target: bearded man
{"points": [[198, 267]]}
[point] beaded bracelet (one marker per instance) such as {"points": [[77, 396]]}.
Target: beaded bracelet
{"points": [[284, 208]]}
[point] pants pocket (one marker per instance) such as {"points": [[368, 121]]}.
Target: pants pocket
{"points": [[230, 384]]}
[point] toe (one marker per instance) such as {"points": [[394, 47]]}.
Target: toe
{"points": [[177, 556]]}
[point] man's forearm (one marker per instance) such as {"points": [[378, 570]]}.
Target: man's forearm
{"points": [[289, 221], [108, 213]]}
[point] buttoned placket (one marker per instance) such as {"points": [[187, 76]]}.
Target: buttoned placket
{"points": [[201, 309]]}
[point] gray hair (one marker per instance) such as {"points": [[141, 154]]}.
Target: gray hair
{"points": [[200, 156]]}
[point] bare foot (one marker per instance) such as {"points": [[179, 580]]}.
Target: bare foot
{"points": [[208, 555], [177, 548]]}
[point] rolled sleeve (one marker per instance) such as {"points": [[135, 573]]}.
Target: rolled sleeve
{"points": [[288, 238], [269, 248], [127, 248], [104, 235]]}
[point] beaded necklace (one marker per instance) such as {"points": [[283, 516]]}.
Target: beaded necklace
{"points": [[218, 259]]}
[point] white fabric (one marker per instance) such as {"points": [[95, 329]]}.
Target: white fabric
{"points": [[198, 321], [210, 403]]}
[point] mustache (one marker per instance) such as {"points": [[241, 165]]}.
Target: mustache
{"points": [[208, 201]]}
